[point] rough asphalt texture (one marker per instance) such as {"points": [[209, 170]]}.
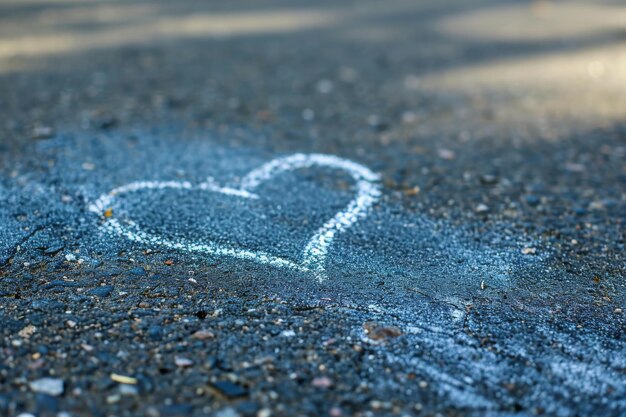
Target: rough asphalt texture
{"points": [[488, 280]]}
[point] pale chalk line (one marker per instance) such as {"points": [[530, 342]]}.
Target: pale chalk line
{"points": [[368, 191], [132, 232], [211, 185]]}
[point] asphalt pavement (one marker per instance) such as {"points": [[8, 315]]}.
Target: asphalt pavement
{"points": [[279, 208]]}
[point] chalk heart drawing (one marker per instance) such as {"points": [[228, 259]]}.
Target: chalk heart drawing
{"points": [[313, 258]]}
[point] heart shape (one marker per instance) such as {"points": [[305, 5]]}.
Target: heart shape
{"points": [[367, 192]]}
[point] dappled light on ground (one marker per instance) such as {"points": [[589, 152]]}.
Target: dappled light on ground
{"points": [[560, 61], [131, 32], [533, 64], [539, 21], [585, 86]]}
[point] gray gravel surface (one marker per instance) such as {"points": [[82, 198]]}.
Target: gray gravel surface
{"points": [[487, 279]]}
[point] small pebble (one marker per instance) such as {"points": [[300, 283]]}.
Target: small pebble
{"points": [[308, 114], [410, 192], [574, 167], [335, 412], [482, 208], [488, 179], [183, 362], [376, 331], [42, 132], [248, 408], [86, 347], [102, 292], [446, 154], [288, 333], [155, 332], [227, 412], [128, 390], [532, 200], [229, 389], [324, 86], [203, 335], [112, 399], [139, 271], [409, 117], [54, 249], [322, 382], [50, 386], [27, 331], [123, 379]]}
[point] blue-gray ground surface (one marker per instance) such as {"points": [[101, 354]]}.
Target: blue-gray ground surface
{"points": [[488, 279]]}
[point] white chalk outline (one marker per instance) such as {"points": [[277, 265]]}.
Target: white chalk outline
{"points": [[367, 185]]}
